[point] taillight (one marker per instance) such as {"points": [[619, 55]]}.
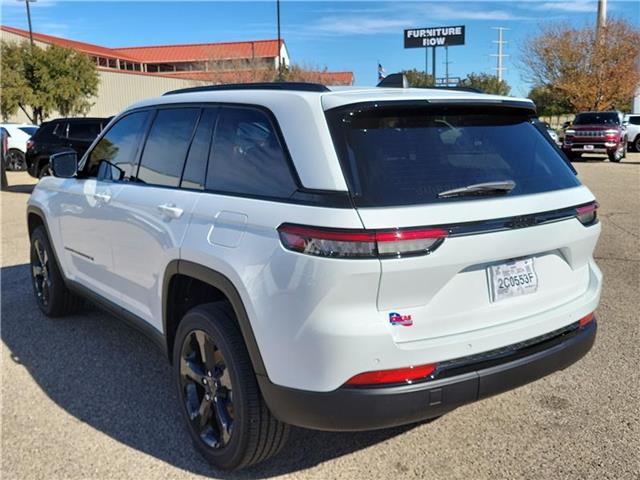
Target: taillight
{"points": [[324, 242], [30, 144], [584, 321], [398, 375], [587, 214]]}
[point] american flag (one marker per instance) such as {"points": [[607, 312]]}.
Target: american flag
{"points": [[381, 72]]}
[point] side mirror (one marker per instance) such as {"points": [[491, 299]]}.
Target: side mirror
{"points": [[64, 164]]}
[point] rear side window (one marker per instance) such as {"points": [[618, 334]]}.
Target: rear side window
{"points": [[247, 157], [634, 120], [86, 131], [196, 167], [118, 147], [45, 131], [166, 148], [407, 156]]}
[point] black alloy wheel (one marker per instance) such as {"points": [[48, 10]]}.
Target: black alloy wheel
{"points": [[52, 295], [15, 161], [207, 391], [227, 419], [40, 273]]}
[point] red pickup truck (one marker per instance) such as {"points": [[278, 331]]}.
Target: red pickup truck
{"points": [[596, 132]]}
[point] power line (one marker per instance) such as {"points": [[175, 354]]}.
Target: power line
{"points": [[500, 68]]}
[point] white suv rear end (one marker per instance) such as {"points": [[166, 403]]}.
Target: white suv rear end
{"points": [[333, 259]]}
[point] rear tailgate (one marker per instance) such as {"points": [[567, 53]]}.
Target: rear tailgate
{"points": [[400, 159], [450, 290]]}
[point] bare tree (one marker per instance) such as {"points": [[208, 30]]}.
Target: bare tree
{"points": [[589, 74]]}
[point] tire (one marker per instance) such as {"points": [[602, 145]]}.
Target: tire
{"points": [[15, 160], [618, 154], [44, 171], [52, 295], [636, 144], [234, 399]]}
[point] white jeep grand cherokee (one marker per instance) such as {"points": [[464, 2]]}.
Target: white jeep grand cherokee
{"points": [[337, 259]]}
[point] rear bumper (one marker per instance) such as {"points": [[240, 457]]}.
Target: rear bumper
{"points": [[352, 409]]}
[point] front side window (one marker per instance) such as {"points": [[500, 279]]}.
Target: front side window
{"points": [[118, 148], [413, 155], [166, 148], [247, 157]]}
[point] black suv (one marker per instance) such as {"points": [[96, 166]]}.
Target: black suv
{"points": [[62, 134]]}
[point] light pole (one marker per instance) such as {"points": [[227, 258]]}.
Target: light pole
{"points": [[29, 19]]}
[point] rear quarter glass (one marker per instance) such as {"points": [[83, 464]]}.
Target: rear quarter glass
{"points": [[394, 156]]}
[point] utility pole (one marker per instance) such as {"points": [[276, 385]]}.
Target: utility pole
{"points": [[500, 55], [29, 19], [602, 16], [446, 64], [279, 47]]}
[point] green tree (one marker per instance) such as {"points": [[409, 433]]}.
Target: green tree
{"points": [[39, 81], [549, 101], [416, 78], [486, 83]]}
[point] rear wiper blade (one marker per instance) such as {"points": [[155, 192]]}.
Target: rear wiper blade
{"points": [[487, 188]]}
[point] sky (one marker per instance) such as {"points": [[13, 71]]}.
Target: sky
{"points": [[341, 36]]}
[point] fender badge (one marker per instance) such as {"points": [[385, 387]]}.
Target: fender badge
{"points": [[397, 319]]}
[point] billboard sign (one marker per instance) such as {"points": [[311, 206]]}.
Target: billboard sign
{"points": [[434, 37]]}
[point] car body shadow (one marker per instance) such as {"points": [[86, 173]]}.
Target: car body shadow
{"points": [[27, 188], [111, 377]]}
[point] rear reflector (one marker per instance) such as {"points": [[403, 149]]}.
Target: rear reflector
{"points": [[587, 214], [585, 320], [360, 243], [399, 375]]}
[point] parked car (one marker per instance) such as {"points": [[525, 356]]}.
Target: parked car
{"points": [[4, 147], [17, 137], [60, 135], [552, 133], [596, 132], [632, 122], [333, 259]]}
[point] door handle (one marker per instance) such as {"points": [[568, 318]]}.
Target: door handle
{"points": [[103, 197], [170, 210]]}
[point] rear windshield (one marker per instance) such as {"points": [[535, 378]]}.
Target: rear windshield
{"points": [[406, 156], [610, 118]]}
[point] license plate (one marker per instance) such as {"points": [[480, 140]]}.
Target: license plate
{"points": [[513, 279], [588, 147]]}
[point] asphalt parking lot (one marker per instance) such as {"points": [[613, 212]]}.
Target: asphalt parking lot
{"points": [[88, 397]]}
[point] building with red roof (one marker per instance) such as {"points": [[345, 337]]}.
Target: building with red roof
{"points": [[129, 74]]}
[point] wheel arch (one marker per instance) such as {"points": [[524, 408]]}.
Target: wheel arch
{"points": [[180, 269]]}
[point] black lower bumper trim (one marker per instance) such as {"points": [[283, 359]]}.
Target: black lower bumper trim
{"points": [[352, 409]]}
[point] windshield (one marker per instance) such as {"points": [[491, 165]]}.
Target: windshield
{"points": [[408, 155], [610, 118]]}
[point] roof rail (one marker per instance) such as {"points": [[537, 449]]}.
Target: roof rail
{"points": [[297, 86]]}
